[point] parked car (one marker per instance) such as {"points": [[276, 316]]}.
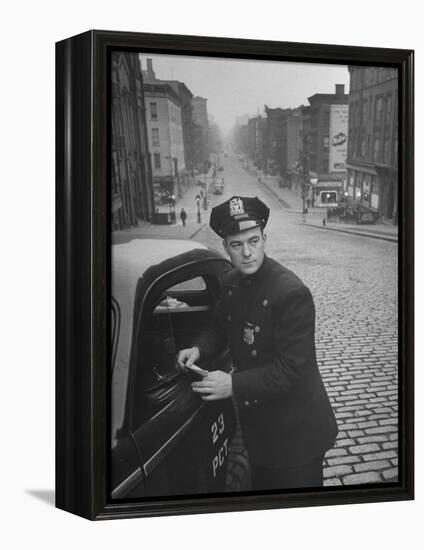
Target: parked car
{"points": [[165, 439]]}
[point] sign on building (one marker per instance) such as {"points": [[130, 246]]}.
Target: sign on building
{"points": [[338, 137]]}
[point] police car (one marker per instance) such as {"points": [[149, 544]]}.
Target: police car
{"points": [[165, 439]]}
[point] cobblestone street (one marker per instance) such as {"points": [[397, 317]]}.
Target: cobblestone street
{"points": [[353, 280]]}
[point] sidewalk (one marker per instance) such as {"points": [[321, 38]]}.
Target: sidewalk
{"points": [[146, 230], [293, 203]]}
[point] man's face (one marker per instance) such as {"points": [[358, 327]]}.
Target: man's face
{"points": [[246, 250]]}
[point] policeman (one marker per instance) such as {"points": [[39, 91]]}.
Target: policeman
{"points": [[266, 315]]}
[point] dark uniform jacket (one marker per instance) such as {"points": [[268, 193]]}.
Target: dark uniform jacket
{"points": [[268, 320]]}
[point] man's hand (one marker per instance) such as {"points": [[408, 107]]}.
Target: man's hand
{"points": [[186, 357], [216, 385]]}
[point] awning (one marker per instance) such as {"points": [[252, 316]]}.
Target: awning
{"points": [[327, 184]]}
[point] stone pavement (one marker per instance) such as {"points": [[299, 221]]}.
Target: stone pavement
{"points": [[356, 335]]}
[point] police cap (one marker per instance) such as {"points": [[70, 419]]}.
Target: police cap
{"points": [[238, 214]]}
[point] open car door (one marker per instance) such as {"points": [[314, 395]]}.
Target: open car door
{"points": [[182, 442]]}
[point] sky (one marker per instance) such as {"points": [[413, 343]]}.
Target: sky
{"points": [[236, 87]]}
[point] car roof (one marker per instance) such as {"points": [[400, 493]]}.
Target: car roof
{"points": [[135, 256]]}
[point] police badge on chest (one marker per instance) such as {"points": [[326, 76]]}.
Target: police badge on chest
{"points": [[249, 333]]}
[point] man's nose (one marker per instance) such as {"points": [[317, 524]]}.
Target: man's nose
{"points": [[246, 250]]}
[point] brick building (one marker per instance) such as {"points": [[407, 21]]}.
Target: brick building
{"points": [[200, 130], [185, 96], [325, 140], [291, 149], [131, 178], [240, 138], [372, 162], [257, 141], [166, 144]]}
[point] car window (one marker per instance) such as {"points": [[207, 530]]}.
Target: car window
{"points": [[170, 321], [197, 283]]}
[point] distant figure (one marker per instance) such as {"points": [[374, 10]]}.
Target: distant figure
{"points": [[183, 216]]}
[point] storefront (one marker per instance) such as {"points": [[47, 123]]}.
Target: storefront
{"points": [[326, 193]]}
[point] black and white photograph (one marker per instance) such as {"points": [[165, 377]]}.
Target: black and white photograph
{"points": [[254, 276]]}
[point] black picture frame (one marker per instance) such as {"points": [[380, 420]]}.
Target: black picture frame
{"points": [[82, 263]]}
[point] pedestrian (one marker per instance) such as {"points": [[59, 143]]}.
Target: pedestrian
{"points": [[183, 216], [266, 316]]}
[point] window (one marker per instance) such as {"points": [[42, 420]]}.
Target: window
{"points": [[378, 109], [376, 152], [328, 197], [386, 150], [388, 109], [370, 107], [156, 158], [173, 314], [198, 283], [154, 111], [326, 118], [364, 112], [155, 136], [350, 144]]}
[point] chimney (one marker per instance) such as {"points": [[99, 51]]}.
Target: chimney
{"points": [[339, 89], [150, 72]]}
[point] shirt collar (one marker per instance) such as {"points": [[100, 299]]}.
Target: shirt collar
{"points": [[249, 280]]}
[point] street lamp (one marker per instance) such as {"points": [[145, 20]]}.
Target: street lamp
{"points": [[172, 208], [199, 219], [205, 200], [327, 200]]}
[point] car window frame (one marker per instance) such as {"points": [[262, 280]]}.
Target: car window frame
{"points": [[202, 265]]}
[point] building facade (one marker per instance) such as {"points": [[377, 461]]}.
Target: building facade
{"points": [[166, 143], [131, 179], [240, 139], [274, 153], [372, 163], [200, 130], [325, 141], [185, 97], [291, 150], [256, 137]]}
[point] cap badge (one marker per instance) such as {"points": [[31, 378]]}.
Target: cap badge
{"points": [[236, 206], [248, 333]]}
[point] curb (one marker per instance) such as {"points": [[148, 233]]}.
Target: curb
{"points": [[276, 195], [350, 232], [197, 230]]}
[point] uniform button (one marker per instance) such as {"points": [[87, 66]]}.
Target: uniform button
{"points": [[230, 293], [254, 353], [246, 403], [255, 401], [257, 329], [229, 317], [265, 302]]}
